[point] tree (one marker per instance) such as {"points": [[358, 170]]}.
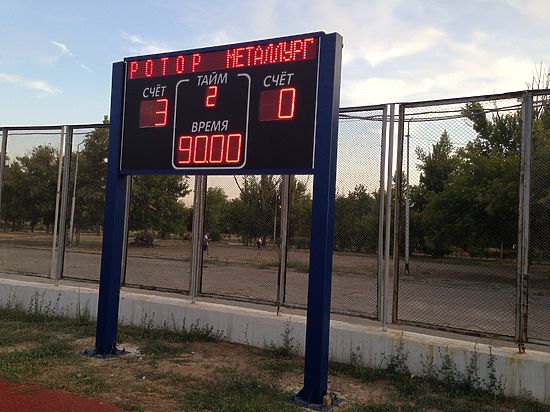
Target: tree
{"points": [[39, 178], [467, 198], [15, 196], [155, 205], [299, 226], [260, 197], [438, 166], [216, 201], [91, 183], [356, 221], [430, 221]]}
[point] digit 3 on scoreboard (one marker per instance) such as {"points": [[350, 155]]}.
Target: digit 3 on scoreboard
{"points": [[208, 132]]}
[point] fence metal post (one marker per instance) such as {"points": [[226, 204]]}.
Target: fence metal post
{"points": [[197, 234], [387, 216], [407, 207], [64, 202], [126, 229], [522, 275], [381, 215], [397, 211], [3, 161], [53, 266], [281, 284], [73, 200]]}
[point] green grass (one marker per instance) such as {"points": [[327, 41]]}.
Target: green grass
{"points": [[43, 324], [84, 381], [238, 393], [22, 365]]}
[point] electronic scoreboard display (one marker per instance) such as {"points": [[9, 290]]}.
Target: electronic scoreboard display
{"points": [[241, 107]]}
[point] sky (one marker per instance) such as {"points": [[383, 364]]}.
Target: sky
{"points": [[56, 56]]}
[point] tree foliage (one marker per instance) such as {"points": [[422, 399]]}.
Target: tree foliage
{"points": [[467, 198]]}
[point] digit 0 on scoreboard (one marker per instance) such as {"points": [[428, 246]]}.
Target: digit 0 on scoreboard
{"points": [[248, 107]]}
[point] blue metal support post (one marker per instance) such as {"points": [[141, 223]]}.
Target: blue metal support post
{"points": [[324, 186], [113, 229]]}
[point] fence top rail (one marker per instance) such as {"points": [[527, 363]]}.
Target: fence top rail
{"points": [[354, 109], [499, 96], [55, 127], [342, 111]]}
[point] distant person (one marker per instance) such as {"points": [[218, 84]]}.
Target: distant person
{"points": [[205, 242], [259, 246]]}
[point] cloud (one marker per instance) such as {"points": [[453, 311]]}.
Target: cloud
{"points": [[86, 68], [471, 72], [140, 46], [416, 42], [64, 49], [38, 85], [535, 9]]}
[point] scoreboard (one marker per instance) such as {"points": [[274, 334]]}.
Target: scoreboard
{"points": [[235, 108]]}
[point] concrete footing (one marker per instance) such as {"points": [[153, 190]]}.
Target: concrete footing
{"points": [[517, 374]]}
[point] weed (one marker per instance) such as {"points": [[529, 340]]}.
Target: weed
{"points": [[471, 379], [196, 333], [448, 372], [237, 393], [83, 315], [429, 370], [493, 384], [204, 333], [397, 363], [288, 349], [355, 369]]}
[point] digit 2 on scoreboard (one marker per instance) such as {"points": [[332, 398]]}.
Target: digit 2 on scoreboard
{"points": [[208, 132]]}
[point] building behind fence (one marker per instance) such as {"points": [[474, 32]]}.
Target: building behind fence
{"points": [[442, 218]]}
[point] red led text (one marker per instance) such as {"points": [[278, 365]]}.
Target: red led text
{"points": [[278, 104], [211, 95], [255, 55], [153, 113], [216, 149]]}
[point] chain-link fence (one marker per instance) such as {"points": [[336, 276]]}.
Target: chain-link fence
{"points": [[538, 312], [240, 241], [85, 203], [158, 251], [299, 228], [470, 195], [31, 182], [356, 263], [457, 205]]}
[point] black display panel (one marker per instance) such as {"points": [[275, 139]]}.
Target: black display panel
{"points": [[240, 107]]}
